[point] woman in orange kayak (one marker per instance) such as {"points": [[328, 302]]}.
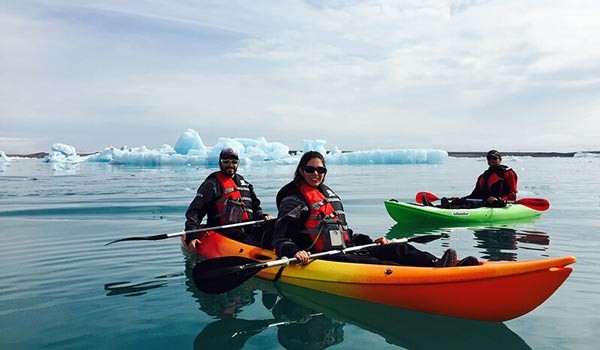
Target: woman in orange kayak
{"points": [[311, 219]]}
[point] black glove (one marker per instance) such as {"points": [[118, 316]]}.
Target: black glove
{"points": [[191, 236], [361, 239], [499, 203]]}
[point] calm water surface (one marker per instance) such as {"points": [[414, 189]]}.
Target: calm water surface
{"points": [[61, 288]]}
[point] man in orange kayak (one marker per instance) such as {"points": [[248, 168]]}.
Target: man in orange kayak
{"points": [[225, 197], [312, 219], [493, 188]]}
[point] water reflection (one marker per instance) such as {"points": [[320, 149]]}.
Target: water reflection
{"points": [[410, 228], [298, 327], [406, 230], [226, 305], [131, 289], [309, 319], [496, 243], [305, 328], [65, 168], [501, 243], [223, 306]]}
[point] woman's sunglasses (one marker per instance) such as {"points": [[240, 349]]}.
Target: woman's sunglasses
{"points": [[229, 161], [311, 169]]}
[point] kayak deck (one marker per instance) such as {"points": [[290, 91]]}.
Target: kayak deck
{"points": [[410, 212], [490, 291]]}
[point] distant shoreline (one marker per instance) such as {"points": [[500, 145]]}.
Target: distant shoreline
{"points": [[40, 155], [450, 154], [520, 154]]}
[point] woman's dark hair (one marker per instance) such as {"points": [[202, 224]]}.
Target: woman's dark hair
{"points": [[306, 157]]}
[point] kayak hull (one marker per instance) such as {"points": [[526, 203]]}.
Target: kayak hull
{"points": [[403, 212], [491, 291]]}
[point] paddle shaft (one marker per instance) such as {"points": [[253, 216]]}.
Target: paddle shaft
{"points": [[181, 233], [287, 261], [214, 228]]}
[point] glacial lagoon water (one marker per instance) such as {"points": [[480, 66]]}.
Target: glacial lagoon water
{"points": [[61, 288]]}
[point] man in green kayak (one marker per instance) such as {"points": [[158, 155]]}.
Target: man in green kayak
{"points": [[311, 219], [493, 188], [225, 197]]}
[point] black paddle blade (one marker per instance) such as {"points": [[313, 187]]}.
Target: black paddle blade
{"points": [[425, 238], [215, 276], [147, 238]]}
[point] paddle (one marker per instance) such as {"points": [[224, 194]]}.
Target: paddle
{"points": [[539, 204], [219, 275], [177, 234]]}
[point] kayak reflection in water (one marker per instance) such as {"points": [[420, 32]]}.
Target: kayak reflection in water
{"points": [[305, 329], [298, 327], [226, 305], [300, 322], [500, 243]]}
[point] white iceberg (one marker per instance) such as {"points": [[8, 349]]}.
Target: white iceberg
{"points": [[190, 150], [63, 153]]}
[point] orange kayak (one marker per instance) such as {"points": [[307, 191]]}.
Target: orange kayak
{"points": [[490, 291]]}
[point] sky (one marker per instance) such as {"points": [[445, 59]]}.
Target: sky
{"points": [[464, 75]]}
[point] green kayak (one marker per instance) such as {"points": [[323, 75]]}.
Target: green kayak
{"points": [[409, 212]]}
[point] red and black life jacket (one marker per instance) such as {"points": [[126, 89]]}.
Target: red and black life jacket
{"points": [[495, 182], [326, 224], [235, 204]]}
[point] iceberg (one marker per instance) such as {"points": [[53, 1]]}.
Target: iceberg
{"points": [[190, 150], [586, 155], [3, 157], [402, 156], [315, 145], [61, 153], [190, 140]]}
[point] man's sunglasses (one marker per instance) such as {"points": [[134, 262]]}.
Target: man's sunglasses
{"points": [[311, 169], [229, 161], [492, 157]]}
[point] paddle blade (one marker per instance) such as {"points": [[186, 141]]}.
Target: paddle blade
{"points": [[215, 276], [539, 204], [147, 238], [430, 197]]}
